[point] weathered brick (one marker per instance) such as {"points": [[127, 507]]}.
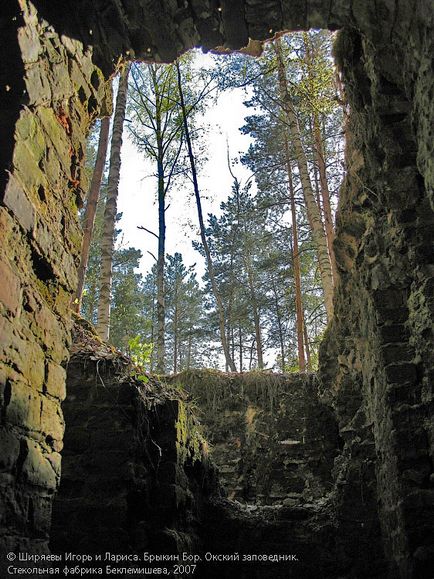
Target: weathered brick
{"points": [[52, 424], [401, 373], [393, 353], [10, 450], [37, 470], [56, 378], [16, 200], [25, 407], [10, 288]]}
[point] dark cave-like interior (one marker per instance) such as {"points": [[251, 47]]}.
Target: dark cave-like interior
{"points": [[356, 499]]}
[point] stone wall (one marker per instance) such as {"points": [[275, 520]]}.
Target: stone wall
{"points": [[135, 472], [378, 355], [271, 438], [137, 476], [60, 91]]}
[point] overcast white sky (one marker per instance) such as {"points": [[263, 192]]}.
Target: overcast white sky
{"points": [[137, 190]]}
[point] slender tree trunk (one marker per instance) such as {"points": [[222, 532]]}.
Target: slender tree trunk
{"points": [[92, 302], [325, 193], [108, 239], [152, 360], [313, 211], [250, 279], [279, 325], [209, 263], [252, 347], [89, 215], [255, 309], [189, 348], [296, 265], [317, 188], [161, 306], [319, 151], [232, 338], [175, 332], [240, 336], [306, 341]]}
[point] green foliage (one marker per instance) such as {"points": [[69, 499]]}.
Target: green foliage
{"points": [[140, 353]]}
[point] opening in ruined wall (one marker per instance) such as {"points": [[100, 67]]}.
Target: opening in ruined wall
{"points": [[265, 179], [267, 143]]}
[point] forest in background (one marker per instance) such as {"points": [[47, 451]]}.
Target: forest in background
{"points": [[266, 295]]}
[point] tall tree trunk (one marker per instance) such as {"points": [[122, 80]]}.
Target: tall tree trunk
{"points": [[255, 308], [209, 263], [240, 336], [279, 325], [161, 307], [190, 339], [152, 357], [108, 239], [89, 215], [306, 341], [175, 330], [232, 344], [313, 211], [296, 265], [252, 347], [325, 193], [250, 280]]}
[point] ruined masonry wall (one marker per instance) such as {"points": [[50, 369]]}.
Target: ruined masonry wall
{"points": [[38, 259], [271, 438], [134, 468], [377, 359]]}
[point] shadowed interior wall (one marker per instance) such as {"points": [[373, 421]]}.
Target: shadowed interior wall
{"points": [[57, 92], [377, 359], [270, 436]]}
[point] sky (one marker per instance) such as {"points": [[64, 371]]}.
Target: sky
{"points": [[137, 188]]}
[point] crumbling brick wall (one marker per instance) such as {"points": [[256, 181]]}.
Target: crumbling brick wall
{"points": [[135, 472], [271, 437]]}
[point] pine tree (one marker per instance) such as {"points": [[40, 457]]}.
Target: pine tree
{"points": [[312, 208]]}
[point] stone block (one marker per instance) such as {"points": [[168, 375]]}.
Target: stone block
{"points": [[56, 381], [24, 408], [52, 423], [48, 328], [27, 169], [393, 353], [16, 200], [394, 333], [55, 459], [10, 450], [37, 470], [401, 373], [14, 504], [58, 140], [10, 288], [39, 515], [31, 362]]}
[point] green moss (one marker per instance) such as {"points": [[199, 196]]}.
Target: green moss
{"points": [[190, 444], [215, 391]]}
